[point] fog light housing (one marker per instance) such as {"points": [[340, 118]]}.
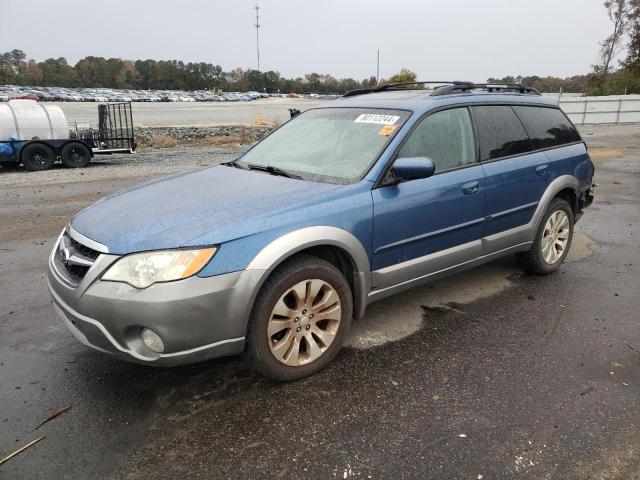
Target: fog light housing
{"points": [[152, 340]]}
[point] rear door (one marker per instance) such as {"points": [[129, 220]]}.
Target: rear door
{"points": [[516, 176]]}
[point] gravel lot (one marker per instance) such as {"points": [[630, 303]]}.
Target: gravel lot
{"points": [[146, 163], [488, 374]]}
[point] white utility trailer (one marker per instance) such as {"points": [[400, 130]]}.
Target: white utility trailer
{"points": [[37, 135]]}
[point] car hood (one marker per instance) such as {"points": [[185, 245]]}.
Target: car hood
{"points": [[173, 211]]}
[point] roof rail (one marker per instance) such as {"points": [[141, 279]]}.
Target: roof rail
{"points": [[462, 87], [394, 86], [448, 88]]}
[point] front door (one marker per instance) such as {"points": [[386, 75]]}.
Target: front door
{"points": [[422, 226]]}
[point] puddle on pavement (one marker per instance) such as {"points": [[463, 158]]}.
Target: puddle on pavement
{"points": [[397, 317], [581, 248]]}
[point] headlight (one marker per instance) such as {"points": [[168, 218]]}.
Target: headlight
{"points": [[143, 269]]}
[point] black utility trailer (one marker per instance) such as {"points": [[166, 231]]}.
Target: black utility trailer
{"points": [[113, 135]]}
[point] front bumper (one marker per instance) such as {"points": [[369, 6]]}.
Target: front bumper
{"points": [[197, 318]]}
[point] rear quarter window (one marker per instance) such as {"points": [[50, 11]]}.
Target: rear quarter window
{"points": [[500, 133], [547, 127]]}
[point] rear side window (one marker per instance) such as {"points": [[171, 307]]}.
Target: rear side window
{"points": [[500, 133], [445, 137], [547, 127]]}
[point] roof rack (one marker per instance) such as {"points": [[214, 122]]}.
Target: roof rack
{"points": [[393, 86], [448, 88], [462, 87]]}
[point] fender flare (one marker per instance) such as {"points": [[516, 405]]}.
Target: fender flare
{"points": [[283, 247], [560, 183]]}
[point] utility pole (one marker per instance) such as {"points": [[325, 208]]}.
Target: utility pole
{"points": [[257, 7], [378, 69]]}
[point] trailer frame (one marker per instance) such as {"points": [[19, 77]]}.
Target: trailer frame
{"points": [[115, 134]]}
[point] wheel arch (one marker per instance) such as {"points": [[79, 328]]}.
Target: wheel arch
{"points": [[570, 195], [565, 185], [333, 244]]}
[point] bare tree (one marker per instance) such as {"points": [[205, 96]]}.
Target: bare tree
{"points": [[617, 10]]}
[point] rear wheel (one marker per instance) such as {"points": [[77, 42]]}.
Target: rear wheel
{"points": [[299, 319], [37, 157], [75, 155], [552, 241]]}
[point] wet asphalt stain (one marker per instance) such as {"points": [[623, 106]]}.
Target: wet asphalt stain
{"points": [[480, 388]]}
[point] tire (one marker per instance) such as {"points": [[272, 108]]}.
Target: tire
{"points": [[544, 256], [37, 157], [291, 333], [75, 155]]}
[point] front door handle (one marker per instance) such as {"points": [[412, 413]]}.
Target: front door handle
{"points": [[470, 188], [542, 169]]}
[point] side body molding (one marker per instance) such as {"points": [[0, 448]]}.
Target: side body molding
{"points": [[436, 265], [282, 248], [527, 232]]}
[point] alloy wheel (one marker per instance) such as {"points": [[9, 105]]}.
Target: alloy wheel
{"points": [[555, 237], [304, 322]]}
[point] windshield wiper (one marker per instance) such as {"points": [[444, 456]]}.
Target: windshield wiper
{"points": [[273, 171], [235, 164]]}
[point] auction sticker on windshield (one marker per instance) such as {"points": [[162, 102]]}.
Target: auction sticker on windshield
{"points": [[377, 118]]}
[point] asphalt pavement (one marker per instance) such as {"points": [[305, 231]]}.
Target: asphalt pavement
{"points": [[489, 374]]}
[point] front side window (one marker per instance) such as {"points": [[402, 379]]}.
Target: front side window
{"points": [[500, 133], [547, 127], [328, 144], [446, 137]]}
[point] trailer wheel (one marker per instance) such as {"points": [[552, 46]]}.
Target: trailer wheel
{"points": [[75, 155], [37, 157]]}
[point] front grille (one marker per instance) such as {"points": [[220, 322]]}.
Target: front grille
{"points": [[73, 259]]}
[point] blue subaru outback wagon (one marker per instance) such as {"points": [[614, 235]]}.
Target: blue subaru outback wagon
{"points": [[276, 253]]}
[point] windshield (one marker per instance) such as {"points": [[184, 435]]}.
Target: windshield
{"points": [[327, 144]]}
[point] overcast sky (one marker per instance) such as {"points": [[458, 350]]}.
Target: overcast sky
{"points": [[441, 40]]}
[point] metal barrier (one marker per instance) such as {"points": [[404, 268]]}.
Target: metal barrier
{"points": [[596, 110]]}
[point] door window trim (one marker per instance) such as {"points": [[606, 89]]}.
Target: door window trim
{"points": [[468, 105], [383, 175], [508, 157]]}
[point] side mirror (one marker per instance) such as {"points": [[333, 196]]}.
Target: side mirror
{"points": [[412, 168]]}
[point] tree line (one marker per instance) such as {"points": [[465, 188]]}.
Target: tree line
{"points": [[98, 72]]}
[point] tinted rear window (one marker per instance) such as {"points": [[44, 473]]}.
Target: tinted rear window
{"points": [[547, 127], [500, 133]]}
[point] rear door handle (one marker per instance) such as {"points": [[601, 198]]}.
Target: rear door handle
{"points": [[470, 188], [542, 169]]}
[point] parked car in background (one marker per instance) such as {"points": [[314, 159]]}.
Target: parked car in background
{"points": [[275, 254]]}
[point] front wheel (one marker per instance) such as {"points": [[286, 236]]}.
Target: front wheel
{"points": [[299, 319], [552, 241]]}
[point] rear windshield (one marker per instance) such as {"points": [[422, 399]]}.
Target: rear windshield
{"points": [[547, 127], [328, 144]]}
